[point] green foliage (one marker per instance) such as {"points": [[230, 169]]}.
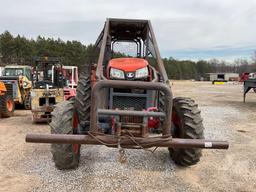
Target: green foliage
{"points": [[181, 69], [186, 69], [7, 47], [21, 50]]}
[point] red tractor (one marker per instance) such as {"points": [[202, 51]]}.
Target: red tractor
{"points": [[244, 77], [70, 75], [70, 78], [123, 102]]}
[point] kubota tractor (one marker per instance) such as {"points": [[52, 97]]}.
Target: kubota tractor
{"points": [[121, 102], [6, 102]]}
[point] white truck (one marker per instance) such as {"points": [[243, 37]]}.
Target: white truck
{"points": [[252, 76], [1, 71]]}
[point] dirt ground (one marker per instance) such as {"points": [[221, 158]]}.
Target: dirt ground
{"points": [[29, 167]]}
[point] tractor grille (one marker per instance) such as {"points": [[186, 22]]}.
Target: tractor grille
{"points": [[131, 119], [9, 88], [42, 101], [129, 103]]}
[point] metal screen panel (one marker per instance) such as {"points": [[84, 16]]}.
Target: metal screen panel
{"points": [[126, 102]]}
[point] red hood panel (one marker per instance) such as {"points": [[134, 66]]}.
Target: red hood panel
{"points": [[128, 64]]}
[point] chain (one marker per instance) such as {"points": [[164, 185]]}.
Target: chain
{"points": [[122, 158]]}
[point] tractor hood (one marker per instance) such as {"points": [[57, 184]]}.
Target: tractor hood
{"points": [[128, 64]]}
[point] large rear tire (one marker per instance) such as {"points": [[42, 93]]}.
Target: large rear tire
{"points": [[7, 105], [186, 123], [83, 102], [64, 121]]}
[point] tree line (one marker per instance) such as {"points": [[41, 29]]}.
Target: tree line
{"points": [[21, 50], [187, 69]]}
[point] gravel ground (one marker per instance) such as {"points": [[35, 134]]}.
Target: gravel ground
{"points": [[29, 167]]}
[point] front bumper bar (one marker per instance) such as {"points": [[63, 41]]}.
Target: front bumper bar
{"points": [[130, 113], [125, 141]]}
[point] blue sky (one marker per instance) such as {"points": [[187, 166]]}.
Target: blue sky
{"points": [[194, 29], [228, 54]]}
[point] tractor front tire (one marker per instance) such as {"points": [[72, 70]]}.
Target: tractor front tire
{"points": [[83, 102], [186, 124], [7, 105], [65, 156]]}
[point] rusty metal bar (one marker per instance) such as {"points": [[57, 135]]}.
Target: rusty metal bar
{"points": [[133, 125], [158, 56], [131, 113], [131, 85], [102, 49], [126, 142]]}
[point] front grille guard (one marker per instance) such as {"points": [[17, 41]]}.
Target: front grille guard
{"points": [[94, 136], [96, 96]]}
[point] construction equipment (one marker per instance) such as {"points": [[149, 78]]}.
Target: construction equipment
{"points": [[47, 88], [1, 71], [121, 102], [244, 76], [17, 79], [249, 84], [53, 83], [70, 76], [252, 76], [6, 102]]}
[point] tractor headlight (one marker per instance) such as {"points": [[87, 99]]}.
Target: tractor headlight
{"points": [[141, 73], [116, 74], [25, 84]]}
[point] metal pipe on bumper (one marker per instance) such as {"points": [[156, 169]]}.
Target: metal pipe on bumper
{"points": [[131, 113], [126, 142]]}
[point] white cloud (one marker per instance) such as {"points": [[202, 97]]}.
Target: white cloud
{"points": [[179, 25]]}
